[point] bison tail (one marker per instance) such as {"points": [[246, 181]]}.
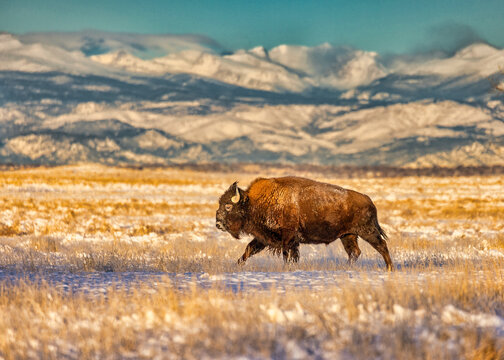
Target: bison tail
{"points": [[381, 231]]}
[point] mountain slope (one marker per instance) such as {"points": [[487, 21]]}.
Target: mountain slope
{"points": [[62, 102]]}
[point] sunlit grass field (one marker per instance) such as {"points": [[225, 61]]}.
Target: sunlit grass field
{"points": [[445, 301]]}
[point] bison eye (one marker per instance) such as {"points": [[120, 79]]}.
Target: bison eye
{"points": [[228, 207]]}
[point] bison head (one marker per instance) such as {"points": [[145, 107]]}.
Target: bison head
{"points": [[231, 214]]}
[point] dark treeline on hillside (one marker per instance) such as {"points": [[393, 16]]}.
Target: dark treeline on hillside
{"points": [[345, 171], [348, 171]]}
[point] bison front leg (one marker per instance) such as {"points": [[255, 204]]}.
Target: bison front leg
{"points": [[290, 246], [351, 247], [291, 254], [252, 248]]}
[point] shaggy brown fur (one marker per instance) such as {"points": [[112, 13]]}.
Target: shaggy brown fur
{"points": [[282, 213]]}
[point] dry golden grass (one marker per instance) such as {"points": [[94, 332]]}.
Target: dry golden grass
{"points": [[446, 237], [101, 175], [360, 321], [463, 208]]}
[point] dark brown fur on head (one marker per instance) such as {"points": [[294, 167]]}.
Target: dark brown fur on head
{"points": [[231, 214]]}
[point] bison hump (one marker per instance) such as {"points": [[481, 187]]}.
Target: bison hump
{"points": [[274, 204]]}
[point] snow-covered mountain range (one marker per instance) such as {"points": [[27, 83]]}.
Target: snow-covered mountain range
{"points": [[163, 99]]}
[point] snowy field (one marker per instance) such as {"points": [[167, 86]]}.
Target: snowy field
{"points": [[116, 263]]}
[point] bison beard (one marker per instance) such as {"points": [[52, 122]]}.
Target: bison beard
{"points": [[282, 213]]}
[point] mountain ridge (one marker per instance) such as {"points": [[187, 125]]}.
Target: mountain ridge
{"points": [[323, 105]]}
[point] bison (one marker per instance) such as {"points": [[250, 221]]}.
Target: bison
{"points": [[281, 213]]}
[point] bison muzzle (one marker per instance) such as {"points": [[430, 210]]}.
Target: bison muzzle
{"points": [[281, 213]]}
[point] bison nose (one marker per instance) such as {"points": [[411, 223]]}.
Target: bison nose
{"points": [[219, 225]]}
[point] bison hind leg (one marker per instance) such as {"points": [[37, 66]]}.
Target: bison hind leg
{"points": [[376, 240], [351, 247]]}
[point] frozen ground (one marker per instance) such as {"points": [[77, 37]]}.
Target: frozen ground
{"points": [[98, 283]]}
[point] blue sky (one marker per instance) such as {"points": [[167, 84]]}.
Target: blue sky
{"points": [[384, 26]]}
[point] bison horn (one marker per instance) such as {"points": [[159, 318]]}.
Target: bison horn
{"points": [[235, 199]]}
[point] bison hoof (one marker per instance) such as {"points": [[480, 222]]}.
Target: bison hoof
{"points": [[241, 261]]}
